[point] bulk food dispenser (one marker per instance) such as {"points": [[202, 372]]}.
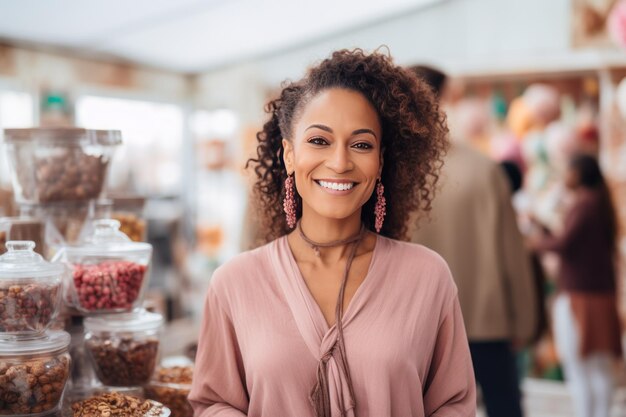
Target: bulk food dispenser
{"points": [[58, 176]]}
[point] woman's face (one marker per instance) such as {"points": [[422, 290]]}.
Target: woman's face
{"points": [[335, 153]]}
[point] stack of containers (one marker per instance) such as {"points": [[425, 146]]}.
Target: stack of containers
{"points": [[109, 274], [59, 174], [34, 360]]}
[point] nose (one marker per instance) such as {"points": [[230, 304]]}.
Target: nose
{"points": [[340, 161]]}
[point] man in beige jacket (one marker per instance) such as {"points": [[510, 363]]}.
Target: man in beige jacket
{"points": [[473, 226]]}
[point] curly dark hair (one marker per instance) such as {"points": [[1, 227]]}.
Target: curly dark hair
{"points": [[414, 138]]}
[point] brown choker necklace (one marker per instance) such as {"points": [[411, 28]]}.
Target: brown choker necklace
{"points": [[320, 395], [316, 246]]}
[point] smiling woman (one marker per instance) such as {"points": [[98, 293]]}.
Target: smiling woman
{"points": [[411, 136], [337, 318], [337, 158]]}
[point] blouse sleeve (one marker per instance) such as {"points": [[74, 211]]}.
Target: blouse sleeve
{"points": [[218, 387], [450, 389]]}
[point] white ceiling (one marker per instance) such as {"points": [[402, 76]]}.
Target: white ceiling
{"points": [[189, 36]]}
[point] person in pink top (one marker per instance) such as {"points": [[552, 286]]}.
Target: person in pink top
{"points": [[336, 316]]}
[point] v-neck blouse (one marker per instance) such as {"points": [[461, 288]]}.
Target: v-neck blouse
{"points": [[263, 333], [297, 280]]}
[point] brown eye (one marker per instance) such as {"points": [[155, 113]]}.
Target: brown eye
{"points": [[362, 145], [318, 141]]}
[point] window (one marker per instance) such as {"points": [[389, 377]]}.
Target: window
{"points": [[16, 111], [150, 160]]}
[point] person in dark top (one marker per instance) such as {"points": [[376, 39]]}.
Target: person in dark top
{"points": [[586, 323], [514, 174]]}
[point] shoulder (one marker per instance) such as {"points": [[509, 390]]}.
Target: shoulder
{"points": [[410, 254], [474, 166], [419, 265], [588, 205]]}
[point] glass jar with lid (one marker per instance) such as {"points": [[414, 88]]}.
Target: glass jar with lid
{"points": [[109, 271], [30, 290], [33, 374], [124, 348], [59, 164]]}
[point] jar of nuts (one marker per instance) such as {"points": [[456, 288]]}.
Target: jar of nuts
{"points": [[109, 271], [59, 164], [128, 210], [30, 290], [33, 374], [124, 348], [171, 386]]}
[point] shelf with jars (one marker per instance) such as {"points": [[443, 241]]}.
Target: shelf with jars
{"points": [[73, 332]]}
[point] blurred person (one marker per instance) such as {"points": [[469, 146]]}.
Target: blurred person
{"points": [[528, 116], [348, 153], [586, 324], [513, 174], [474, 228], [471, 120]]}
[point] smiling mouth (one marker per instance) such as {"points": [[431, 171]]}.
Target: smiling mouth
{"points": [[337, 186]]}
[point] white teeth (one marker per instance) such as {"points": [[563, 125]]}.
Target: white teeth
{"points": [[340, 186]]}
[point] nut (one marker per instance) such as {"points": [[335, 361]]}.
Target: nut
{"points": [[27, 307], [23, 391], [123, 362], [111, 285], [115, 405], [70, 176]]}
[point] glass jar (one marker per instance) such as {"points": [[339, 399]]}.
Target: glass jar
{"points": [[59, 164], [171, 386], [128, 210], [30, 290], [33, 374], [124, 348], [109, 272]]}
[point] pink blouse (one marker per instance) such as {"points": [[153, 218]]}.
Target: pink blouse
{"points": [[263, 333]]}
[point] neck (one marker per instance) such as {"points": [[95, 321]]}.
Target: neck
{"points": [[325, 230]]}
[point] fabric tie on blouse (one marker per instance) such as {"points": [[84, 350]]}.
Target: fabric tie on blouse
{"points": [[333, 393]]}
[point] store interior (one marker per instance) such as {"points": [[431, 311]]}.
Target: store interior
{"points": [[177, 91]]}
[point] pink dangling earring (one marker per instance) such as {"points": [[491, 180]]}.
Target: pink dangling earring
{"points": [[289, 203], [380, 209]]}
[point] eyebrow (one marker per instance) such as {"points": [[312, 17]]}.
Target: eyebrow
{"points": [[329, 130]]}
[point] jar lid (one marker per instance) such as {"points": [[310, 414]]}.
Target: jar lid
{"points": [[107, 240], [137, 321], [65, 136], [21, 261], [51, 341]]}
